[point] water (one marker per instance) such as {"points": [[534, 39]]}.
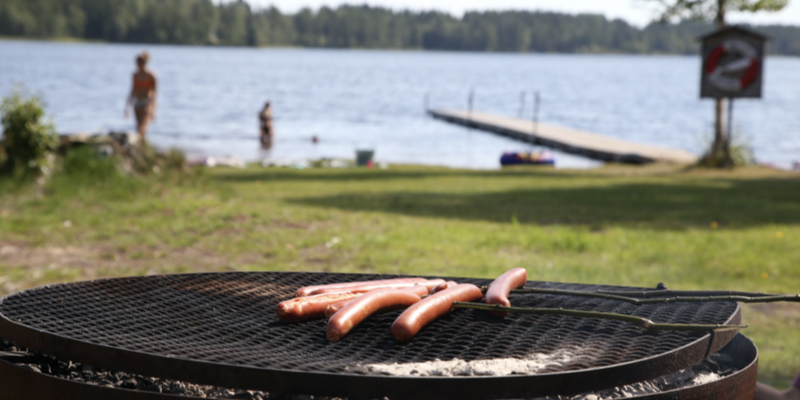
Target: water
{"points": [[209, 98]]}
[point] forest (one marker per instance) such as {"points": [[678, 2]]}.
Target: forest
{"points": [[236, 23]]}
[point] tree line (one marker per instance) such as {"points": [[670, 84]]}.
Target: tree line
{"points": [[236, 23]]}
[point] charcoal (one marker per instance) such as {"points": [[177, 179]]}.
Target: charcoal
{"points": [[85, 373], [128, 384], [152, 388]]}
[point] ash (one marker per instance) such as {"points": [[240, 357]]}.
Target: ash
{"points": [[709, 370], [706, 371], [490, 367], [48, 365], [677, 380]]}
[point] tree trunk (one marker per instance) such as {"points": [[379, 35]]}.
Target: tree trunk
{"points": [[720, 150], [720, 147], [720, 19]]}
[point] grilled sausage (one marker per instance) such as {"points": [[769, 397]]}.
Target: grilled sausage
{"points": [[332, 309], [307, 290], [442, 286], [310, 307], [432, 307], [500, 288], [365, 305], [419, 290], [368, 287]]}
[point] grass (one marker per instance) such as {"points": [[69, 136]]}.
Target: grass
{"points": [[615, 225]]}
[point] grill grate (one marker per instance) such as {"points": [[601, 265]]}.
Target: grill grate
{"points": [[229, 319]]}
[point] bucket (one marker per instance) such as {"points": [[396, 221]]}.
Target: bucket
{"points": [[363, 157]]}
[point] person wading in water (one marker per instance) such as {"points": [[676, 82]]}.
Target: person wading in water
{"points": [[143, 95], [265, 119]]}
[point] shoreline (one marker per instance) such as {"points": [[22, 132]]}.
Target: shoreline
{"points": [[76, 40]]}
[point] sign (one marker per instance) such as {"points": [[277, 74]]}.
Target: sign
{"points": [[733, 63]]}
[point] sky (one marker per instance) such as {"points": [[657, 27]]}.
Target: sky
{"points": [[637, 12]]}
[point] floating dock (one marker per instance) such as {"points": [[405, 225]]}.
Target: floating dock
{"points": [[567, 140]]}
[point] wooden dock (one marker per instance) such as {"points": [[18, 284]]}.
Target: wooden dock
{"points": [[573, 141]]}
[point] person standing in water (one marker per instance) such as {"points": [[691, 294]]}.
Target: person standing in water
{"points": [[265, 117], [143, 95]]}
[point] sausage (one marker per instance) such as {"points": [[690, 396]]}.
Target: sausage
{"points": [[432, 307], [442, 286], [368, 287], [500, 288], [345, 286], [365, 305], [419, 290], [310, 307], [307, 290], [334, 308]]}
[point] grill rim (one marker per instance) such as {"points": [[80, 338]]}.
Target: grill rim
{"points": [[17, 384], [356, 386]]}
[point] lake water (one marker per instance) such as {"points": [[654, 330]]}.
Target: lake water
{"points": [[209, 98]]}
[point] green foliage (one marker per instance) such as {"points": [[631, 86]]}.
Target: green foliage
{"points": [[714, 9], [175, 160], [740, 154], [27, 141], [715, 159], [236, 23], [758, 5]]}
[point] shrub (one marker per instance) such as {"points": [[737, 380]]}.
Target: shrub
{"points": [[740, 153], [28, 143]]}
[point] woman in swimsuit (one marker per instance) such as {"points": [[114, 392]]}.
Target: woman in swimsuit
{"points": [[143, 95]]}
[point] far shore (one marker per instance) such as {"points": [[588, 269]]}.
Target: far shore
{"points": [[75, 40]]}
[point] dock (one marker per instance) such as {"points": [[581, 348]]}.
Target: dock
{"points": [[568, 140]]}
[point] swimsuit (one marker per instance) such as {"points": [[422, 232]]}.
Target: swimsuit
{"points": [[146, 83], [141, 103]]}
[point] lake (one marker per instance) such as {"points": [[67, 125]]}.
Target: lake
{"points": [[209, 98]]}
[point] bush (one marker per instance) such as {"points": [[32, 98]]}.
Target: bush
{"points": [[740, 153], [28, 143]]}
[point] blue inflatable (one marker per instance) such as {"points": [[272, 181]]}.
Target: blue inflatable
{"points": [[523, 158]]}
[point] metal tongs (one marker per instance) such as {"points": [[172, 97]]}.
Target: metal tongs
{"points": [[661, 295]]}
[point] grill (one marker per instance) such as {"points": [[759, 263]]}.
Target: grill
{"points": [[221, 329]]}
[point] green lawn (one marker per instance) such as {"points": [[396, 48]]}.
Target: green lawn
{"points": [[615, 225]]}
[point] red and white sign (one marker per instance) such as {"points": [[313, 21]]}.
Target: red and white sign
{"points": [[732, 63], [738, 73]]}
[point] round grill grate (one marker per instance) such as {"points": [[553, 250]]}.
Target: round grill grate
{"points": [[225, 323]]}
